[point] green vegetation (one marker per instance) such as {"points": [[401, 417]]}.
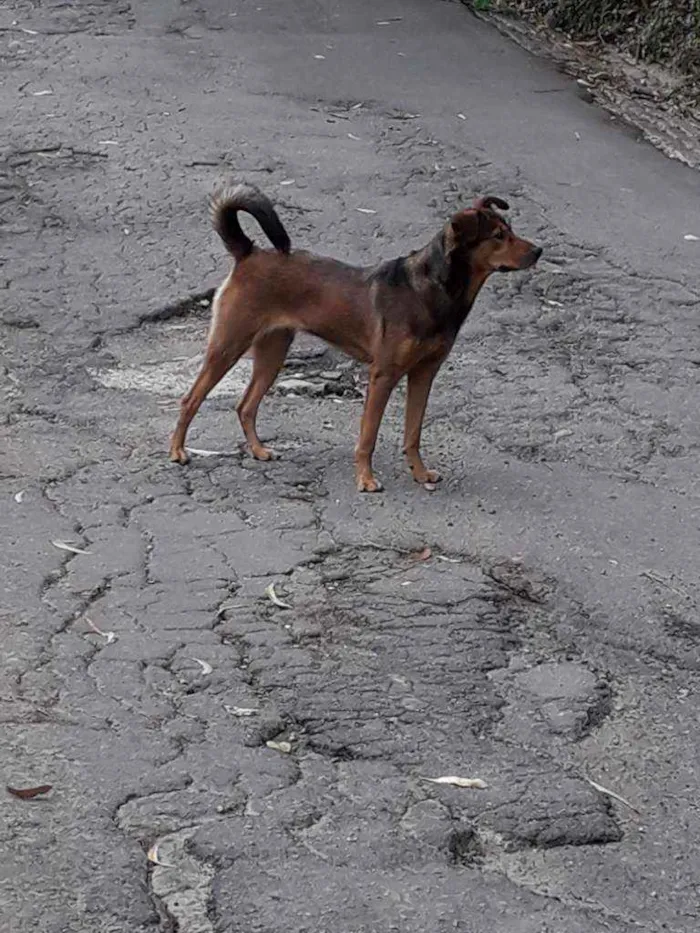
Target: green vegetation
{"points": [[666, 32]]}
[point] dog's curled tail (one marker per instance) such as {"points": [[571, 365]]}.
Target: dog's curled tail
{"points": [[225, 206]]}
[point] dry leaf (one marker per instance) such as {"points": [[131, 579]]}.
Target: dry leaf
{"points": [[110, 636], [425, 554], [447, 560], [241, 711], [365, 210], [611, 793], [476, 783], [288, 181], [153, 856], [26, 793], [198, 452], [19, 495], [691, 236], [352, 136], [284, 747], [107, 142], [64, 546], [206, 668], [41, 93], [29, 32], [461, 116], [320, 57], [274, 598]]}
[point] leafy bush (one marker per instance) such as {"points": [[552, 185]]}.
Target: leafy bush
{"points": [[662, 31]]}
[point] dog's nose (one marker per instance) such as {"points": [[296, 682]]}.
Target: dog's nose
{"points": [[536, 253]]}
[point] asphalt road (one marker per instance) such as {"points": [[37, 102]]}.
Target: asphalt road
{"points": [[551, 638]]}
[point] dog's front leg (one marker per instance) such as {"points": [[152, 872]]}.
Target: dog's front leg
{"points": [[381, 385], [420, 381]]}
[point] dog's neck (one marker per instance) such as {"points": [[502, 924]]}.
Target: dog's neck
{"points": [[449, 296], [476, 279]]}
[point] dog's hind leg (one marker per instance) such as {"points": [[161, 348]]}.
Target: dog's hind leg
{"points": [[216, 364], [269, 353]]}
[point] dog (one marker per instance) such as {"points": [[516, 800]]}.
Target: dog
{"points": [[400, 317]]}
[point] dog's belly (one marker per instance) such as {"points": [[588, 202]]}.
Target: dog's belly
{"points": [[343, 332]]}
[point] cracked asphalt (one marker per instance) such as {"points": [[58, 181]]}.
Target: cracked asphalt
{"points": [[550, 640]]}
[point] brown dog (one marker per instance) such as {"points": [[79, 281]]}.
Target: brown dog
{"points": [[400, 317]]}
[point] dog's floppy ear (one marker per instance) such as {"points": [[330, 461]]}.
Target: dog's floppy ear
{"points": [[466, 226], [463, 229]]}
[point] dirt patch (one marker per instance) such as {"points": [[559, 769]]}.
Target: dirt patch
{"points": [[163, 356], [663, 32], [165, 364], [642, 68]]}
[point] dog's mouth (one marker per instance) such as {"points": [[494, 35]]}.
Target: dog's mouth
{"points": [[521, 265], [525, 263]]}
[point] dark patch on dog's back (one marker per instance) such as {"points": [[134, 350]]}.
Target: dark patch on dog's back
{"points": [[396, 300], [392, 273], [421, 291]]}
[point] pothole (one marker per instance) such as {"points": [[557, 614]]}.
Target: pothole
{"points": [[163, 358], [170, 377], [183, 883]]}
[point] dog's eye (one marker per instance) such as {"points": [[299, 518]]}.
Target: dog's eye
{"points": [[499, 235]]}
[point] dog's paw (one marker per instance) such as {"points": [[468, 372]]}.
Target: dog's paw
{"points": [[179, 455], [264, 453], [429, 477], [368, 484]]}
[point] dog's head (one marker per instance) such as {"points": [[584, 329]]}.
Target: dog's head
{"points": [[478, 239]]}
